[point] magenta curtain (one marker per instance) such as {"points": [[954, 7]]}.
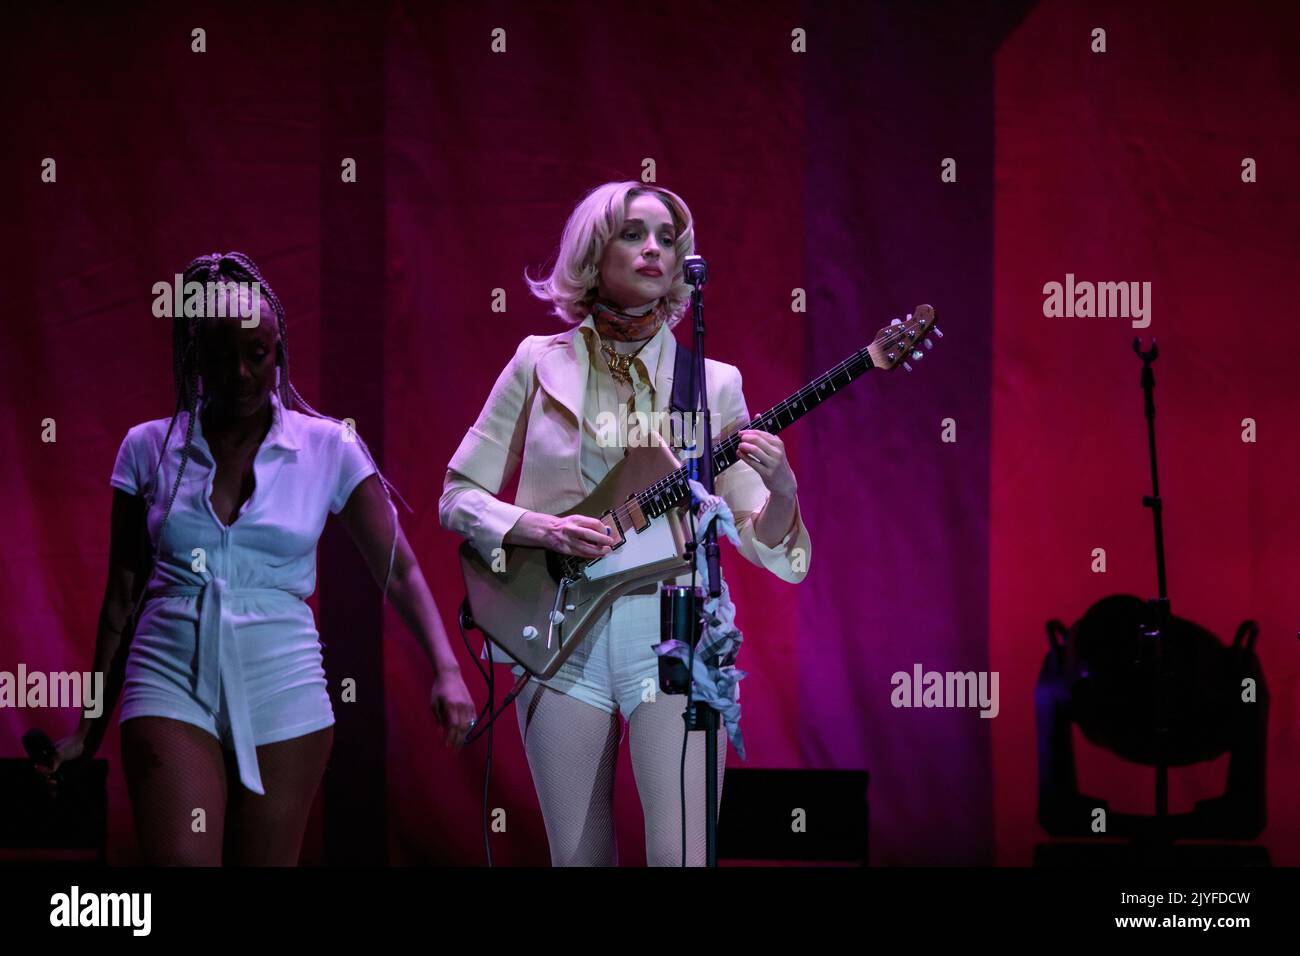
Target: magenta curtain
{"points": [[817, 171]]}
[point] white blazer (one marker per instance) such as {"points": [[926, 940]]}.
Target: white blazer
{"points": [[534, 416]]}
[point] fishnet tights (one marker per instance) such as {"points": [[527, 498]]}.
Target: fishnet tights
{"points": [[572, 750], [174, 768]]}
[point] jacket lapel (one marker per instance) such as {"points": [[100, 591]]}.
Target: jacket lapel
{"points": [[664, 376], [562, 372]]}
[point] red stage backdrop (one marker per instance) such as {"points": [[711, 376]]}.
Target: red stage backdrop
{"points": [[818, 170]]}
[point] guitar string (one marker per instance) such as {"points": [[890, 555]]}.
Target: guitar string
{"points": [[622, 513], [772, 415]]}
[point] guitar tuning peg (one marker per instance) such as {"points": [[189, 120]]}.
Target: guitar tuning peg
{"points": [[936, 331], [907, 367], [929, 344], [896, 322], [917, 356], [909, 316]]}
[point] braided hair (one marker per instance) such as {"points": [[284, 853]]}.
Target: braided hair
{"points": [[186, 330]]}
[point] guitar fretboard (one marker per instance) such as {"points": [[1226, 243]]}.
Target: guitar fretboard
{"points": [[673, 490]]}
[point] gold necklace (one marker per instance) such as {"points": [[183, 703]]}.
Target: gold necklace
{"points": [[620, 365]]}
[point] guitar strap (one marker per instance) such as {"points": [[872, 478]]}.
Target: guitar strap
{"points": [[682, 400]]}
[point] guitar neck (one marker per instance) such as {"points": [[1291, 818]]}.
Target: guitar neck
{"points": [[673, 490]]}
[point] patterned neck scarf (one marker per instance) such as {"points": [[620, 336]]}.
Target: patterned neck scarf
{"points": [[623, 325]]}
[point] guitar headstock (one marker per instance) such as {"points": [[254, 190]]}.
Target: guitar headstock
{"points": [[902, 338]]}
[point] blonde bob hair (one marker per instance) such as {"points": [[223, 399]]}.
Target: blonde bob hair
{"points": [[573, 283]]}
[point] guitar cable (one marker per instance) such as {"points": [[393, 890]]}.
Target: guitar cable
{"points": [[465, 619]]}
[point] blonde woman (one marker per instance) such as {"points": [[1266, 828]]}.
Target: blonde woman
{"points": [[618, 284]]}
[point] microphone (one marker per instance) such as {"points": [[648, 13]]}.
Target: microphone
{"points": [[42, 752], [695, 271], [39, 747]]}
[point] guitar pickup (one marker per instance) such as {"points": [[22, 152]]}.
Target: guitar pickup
{"points": [[636, 517], [610, 520]]}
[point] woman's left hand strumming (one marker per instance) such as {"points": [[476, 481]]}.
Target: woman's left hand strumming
{"points": [[453, 706], [765, 453]]}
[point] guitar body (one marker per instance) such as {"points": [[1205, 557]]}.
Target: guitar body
{"points": [[513, 606], [537, 605]]}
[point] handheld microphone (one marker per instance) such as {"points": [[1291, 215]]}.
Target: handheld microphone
{"points": [[39, 747], [42, 753]]}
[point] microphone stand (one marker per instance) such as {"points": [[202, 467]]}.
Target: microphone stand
{"points": [[680, 611], [1158, 622], [697, 273]]}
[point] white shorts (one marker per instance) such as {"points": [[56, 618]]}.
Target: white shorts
{"points": [[615, 667]]}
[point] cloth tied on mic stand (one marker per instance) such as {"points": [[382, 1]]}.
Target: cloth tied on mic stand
{"points": [[716, 678]]}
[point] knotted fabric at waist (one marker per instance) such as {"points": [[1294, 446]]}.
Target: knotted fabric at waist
{"points": [[219, 664]]}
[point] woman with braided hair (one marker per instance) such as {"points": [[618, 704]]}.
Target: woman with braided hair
{"points": [[213, 553]]}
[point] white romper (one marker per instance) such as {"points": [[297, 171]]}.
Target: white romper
{"points": [[225, 640]]}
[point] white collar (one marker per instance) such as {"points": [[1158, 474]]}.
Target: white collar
{"points": [[282, 433]]}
